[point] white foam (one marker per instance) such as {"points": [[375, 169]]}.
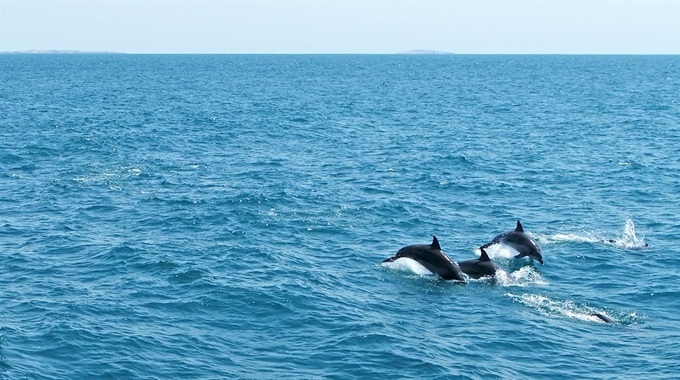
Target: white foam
{"points": [[628, 238], [554, 308], [504, 278], [567, 238], [527, 275]]}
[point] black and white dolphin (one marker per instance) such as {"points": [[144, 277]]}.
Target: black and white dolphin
{"points": [[519, 241], [483, 266], [432, 258]]}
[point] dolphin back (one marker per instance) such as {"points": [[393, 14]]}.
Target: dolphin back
{"points": [[433, 259], [480, 267], [437, 262], [524, 244]]}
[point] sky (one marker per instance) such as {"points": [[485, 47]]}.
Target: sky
{"points": [[343, 26]]}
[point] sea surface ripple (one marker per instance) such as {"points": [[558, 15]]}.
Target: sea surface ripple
{"points": [[226, 216]]}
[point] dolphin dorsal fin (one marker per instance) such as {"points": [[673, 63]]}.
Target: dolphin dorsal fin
{"points": [[435, 243], [484, 256], [519, 227]]}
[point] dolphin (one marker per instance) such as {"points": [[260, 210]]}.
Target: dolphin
{"points": [[614, 241], [432, 258], [519, 241], [603, 317], [480, 267]]}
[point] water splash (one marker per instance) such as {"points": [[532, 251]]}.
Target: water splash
{"points": [[627, 240], [568, 238], [572, 310], [525, 276]]}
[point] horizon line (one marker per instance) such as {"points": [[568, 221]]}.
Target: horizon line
{"points": [[406, 52]]}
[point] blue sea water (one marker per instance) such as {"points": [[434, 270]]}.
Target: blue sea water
{"points": [[226, 217]]}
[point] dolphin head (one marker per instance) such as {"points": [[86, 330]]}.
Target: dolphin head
{"points": [[526, 247], [535, 252]]}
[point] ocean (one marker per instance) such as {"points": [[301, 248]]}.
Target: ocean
{"points": [[226, 216]]}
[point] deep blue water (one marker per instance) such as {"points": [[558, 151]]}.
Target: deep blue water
{"points": [[214, 217]]}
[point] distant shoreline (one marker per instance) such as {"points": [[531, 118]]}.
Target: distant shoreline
{"points": [[59, 52], [425, 52], [408, 52], [415, 52]]}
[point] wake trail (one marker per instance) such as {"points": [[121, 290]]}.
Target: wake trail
{"points": [[568, 309], [628, 238]]}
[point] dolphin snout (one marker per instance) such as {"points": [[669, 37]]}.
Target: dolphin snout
{"points": [[537, 256]]}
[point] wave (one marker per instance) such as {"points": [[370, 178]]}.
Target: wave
{"points": [[524, 276], [572, 310]]}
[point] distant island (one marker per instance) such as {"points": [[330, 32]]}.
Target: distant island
{"points": [[425, 52], [59, 52]]}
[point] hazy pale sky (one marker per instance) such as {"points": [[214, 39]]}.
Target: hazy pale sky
{"points": [[343, 26]]}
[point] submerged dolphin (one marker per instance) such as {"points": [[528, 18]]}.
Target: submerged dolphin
{"points": [[604, 318], [614, 241], [480, 267], [432, 258], [519, 241]]}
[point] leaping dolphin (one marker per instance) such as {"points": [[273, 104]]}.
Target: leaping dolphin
{"points": [[483, 266], [519, 241], [432, 258]]}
